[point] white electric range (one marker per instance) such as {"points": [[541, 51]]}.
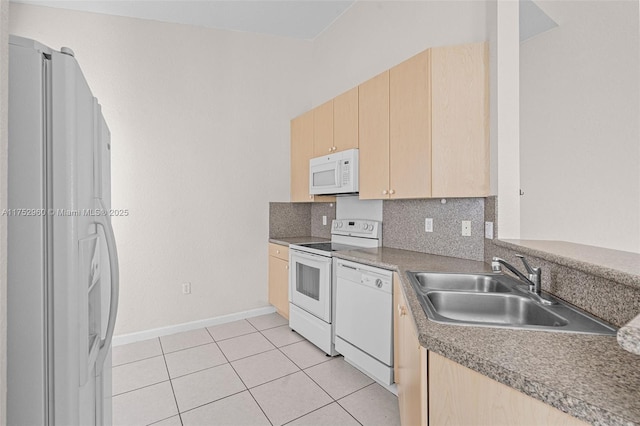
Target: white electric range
{"points": [[312, 288]]}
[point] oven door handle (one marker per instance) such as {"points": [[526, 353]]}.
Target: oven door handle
{"points": [[309, 256]]}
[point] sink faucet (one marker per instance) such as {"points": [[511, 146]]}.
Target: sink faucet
{"points": [[534, 279]]}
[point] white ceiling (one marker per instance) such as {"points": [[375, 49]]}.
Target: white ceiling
{"points": [[303, 19]]}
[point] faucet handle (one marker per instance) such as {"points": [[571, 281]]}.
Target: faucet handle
{"points": [[530, 270], [495, 264]]}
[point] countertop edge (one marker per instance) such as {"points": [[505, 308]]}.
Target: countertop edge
{"points": [[560, 400], [616, 275], [286, 241], [629, 336]]}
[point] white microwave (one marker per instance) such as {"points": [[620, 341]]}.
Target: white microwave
{"points": [[334, 173]]}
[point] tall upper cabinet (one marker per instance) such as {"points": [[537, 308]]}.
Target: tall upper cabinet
{"points": [[345, 121], [303, 135], [301, 152], [373, 119], [423, 126], [323, 129], [460, 121]]}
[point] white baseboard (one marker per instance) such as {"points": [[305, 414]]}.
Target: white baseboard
{"points": [[123, 339]]}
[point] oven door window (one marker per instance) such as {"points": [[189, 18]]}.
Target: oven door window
{"points": [[308, 282]]}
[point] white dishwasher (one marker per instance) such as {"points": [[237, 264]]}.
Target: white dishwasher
{"points": [[364, 318]]}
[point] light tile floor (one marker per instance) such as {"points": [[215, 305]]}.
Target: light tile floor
{"points": [[248, 372]]}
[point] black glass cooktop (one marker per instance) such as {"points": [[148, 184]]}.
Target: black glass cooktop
{"points": [[328, 247]]}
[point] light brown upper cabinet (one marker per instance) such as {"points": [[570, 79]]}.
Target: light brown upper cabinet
{"points": [[302, 142], [410, 128], [460, 121], [345, 121], [373, 120], [301, 153], [323, 129], [423, 126]]}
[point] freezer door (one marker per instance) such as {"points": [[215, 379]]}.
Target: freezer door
{"points": [[27, 271]]}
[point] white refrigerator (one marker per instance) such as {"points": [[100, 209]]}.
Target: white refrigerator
{"points": [[62, 262]]}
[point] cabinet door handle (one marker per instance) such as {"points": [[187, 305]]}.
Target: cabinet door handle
{"points": [[392, 191], [287, 267], [311, 197], [384, 192], [277, 251], [402, 311]]}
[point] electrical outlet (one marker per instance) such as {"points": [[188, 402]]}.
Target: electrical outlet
{"points": [[186, 288], [488, 230], [428, 225], [466, 228], [324, 220]]}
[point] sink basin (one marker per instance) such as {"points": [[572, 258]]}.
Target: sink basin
{"points": [[498, 300], [506, 309], [461, 282]]}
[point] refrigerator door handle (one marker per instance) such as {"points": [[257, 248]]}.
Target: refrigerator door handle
{"points": [[105, 222]]}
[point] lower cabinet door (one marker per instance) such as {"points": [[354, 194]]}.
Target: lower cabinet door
{"points": [[411, 365], [279, 285], [460, 396]]}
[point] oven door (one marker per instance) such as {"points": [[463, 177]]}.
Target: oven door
{"points": [[310, 283]]}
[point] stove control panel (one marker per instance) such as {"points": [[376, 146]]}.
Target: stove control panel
{"points": [[357, 227]]}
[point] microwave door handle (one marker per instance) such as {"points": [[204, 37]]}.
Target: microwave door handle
{"points": [[338, 174]]}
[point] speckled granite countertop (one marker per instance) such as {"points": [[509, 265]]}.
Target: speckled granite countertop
{"points": [[285, 241], [590, 377], [629, 336], [616, 265]]}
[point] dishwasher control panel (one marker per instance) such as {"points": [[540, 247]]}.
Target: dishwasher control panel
{"points": [[365, 275]]}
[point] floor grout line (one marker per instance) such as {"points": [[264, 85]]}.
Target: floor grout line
{"points": [[141, 387], [245, 385], [171, 383]]}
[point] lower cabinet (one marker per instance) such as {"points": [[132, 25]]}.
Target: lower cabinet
{"points": [[435, 391], [461, 396], [410, 363], [279, 278]]}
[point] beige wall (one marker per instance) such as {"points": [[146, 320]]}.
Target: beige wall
{"points": [[373, 36], [580, 126], [4, 101], [199, 122]]}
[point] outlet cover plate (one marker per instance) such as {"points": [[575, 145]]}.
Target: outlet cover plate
{"points": [[428, 225], [466, 228]]}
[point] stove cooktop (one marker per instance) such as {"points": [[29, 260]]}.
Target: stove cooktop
{"points": [[328, 247]]}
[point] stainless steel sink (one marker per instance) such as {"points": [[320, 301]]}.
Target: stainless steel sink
{"points": [[499, 309], [497, 300], [465, 282]]}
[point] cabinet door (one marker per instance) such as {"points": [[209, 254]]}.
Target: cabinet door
{"points": [[279, 285], [301, 153], [410, 128], [323, 129], [460, 127], [460, 396], [373, 123], [345, 120], [411, 362]]}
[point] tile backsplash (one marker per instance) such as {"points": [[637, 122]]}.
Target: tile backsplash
{"points": [[404, 226], [317, 211], [300, 219], [289, 219]]}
